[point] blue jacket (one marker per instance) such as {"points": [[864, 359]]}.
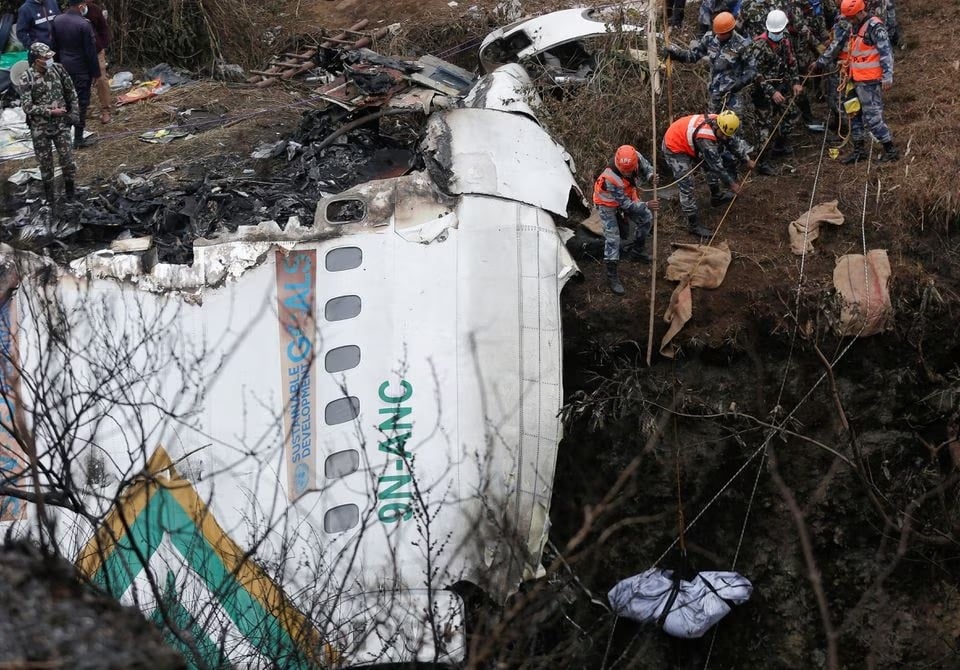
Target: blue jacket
{"points": [[33, 21], [75, 44]]}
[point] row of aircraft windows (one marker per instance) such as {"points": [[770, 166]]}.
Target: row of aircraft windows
{"points": [[342, 463]]}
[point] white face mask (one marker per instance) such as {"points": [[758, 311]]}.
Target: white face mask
{"points": [[48, 61], [84, 10], [775, 37]]}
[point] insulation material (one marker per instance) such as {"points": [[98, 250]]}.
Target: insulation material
{"points": [[806, 228], [693, 265], [865, 298], [685, 609]]}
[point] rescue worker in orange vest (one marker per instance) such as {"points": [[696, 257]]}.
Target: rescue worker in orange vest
{"points": [[870, 59], [705, 138], [615, 195]]}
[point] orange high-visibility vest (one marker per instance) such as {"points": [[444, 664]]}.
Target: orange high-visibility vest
{"points": [[864, 58], [602, 195], [682, 132]]}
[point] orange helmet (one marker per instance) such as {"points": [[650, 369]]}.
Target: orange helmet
{"points": [[850, 8], [626, 159], [724, 22]]}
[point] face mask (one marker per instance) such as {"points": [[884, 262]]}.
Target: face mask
{"points": [[775, 37], [48, 61], [84, 10]]}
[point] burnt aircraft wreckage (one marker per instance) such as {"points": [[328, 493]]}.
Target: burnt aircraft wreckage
{"points": [[299, 433]]}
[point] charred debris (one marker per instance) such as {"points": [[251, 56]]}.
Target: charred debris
{"points": [[370, 123]]}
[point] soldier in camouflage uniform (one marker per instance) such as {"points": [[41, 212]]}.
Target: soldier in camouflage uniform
{"points": [[709, 140], [867, 46], [710, 8], [778, 78], [753, 15], [886, 11], [731, 64], [51, 107]]}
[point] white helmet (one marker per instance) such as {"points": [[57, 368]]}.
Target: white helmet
{"points": [[777, 21]]}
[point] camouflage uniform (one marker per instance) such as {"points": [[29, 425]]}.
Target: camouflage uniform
{"points": [[753, 17], [731, 68], [841, 36], [719, 163], [776, 72], [869, 93], [636, 213], [710, 8], [886, 11], [39, 93]]}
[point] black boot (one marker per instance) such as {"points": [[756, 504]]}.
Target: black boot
{"points": [[69, 188], [613, 279], [781, 146], [718, 197], [765, 167], [694, 227], [858, 154], [79, 141], [49, 193], [890, 153], [636, 252]]}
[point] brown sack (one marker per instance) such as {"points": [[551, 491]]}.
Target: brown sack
{"points": [[865, 299], [691, 265], [592, 223], [810, 221]]}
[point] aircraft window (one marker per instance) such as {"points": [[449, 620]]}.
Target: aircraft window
{"points": [[342, 307], [341, 410], [344, 258], [341, 518], [341, 464], [342, 358], [346, 211]]}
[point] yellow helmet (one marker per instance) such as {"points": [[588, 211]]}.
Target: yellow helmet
{"points": [[728, 122]]}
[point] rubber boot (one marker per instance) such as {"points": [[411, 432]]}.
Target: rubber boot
{"points": [[890, 153], [77, 136], [858, 154], [69, 189], [49, 193], [613, 279], [694, 227], [718, 197]]}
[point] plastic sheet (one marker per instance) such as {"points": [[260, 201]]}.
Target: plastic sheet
{"points": [[696, 607]]}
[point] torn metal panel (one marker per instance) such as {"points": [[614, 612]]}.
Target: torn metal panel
{"points": [[488, 152], [474, 386], [532, 37], [507, 89], [363, 85], [443, 76]]}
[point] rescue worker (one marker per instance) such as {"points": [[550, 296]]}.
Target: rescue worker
{"points": [[871, 71], [778, 79], [704, 137], [753, 15], [615, 194], [810, 36], [51, 106], [74, 41], [731, 63], [33, 21], [710, 8]]}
